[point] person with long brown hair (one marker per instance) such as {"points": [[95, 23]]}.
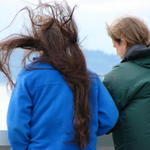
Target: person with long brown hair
{"points": [[129, 83], [56, 104]]}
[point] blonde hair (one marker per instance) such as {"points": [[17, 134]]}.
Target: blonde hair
{"points": [[132, 29]]}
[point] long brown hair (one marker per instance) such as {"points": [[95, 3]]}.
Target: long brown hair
{"points": [[54, 35], [130, 28]]}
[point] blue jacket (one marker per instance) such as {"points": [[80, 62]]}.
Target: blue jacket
{"points": [[40, 112]]}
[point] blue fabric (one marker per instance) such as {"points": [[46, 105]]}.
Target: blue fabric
{"points": [[40, 114]]}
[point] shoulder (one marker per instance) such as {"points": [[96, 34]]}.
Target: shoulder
{"points": [[95, 81], [93, 77], [38, 74], [120, 71]]}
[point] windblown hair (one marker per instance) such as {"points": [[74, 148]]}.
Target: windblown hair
{"points": [[132, 29], [54, 35]]}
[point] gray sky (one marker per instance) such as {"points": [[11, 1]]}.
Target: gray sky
{"points": [[91, 17]]}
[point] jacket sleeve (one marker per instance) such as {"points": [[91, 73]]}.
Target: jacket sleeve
{"points": [[107, 111], [19, 117]]}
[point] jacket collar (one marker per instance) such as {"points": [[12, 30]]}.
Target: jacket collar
{"points": [[136, 52], [37, 63]]}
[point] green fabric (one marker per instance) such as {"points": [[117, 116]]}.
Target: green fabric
{"points": [[129, 85]]}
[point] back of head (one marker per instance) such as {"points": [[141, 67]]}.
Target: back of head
{"points": [[132, 29], [54, 35]]}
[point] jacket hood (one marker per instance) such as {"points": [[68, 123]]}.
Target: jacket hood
{"points": [[139, 54]]}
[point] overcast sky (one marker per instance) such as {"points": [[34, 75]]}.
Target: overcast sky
{"points": [[91, 17]]}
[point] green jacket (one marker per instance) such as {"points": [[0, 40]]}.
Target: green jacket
{"points": [[129, 85]]}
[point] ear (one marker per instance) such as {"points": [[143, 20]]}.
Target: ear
{"points": [[124, 43]]}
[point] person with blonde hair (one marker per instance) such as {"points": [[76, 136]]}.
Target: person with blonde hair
{"points": [[129, 83]]}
